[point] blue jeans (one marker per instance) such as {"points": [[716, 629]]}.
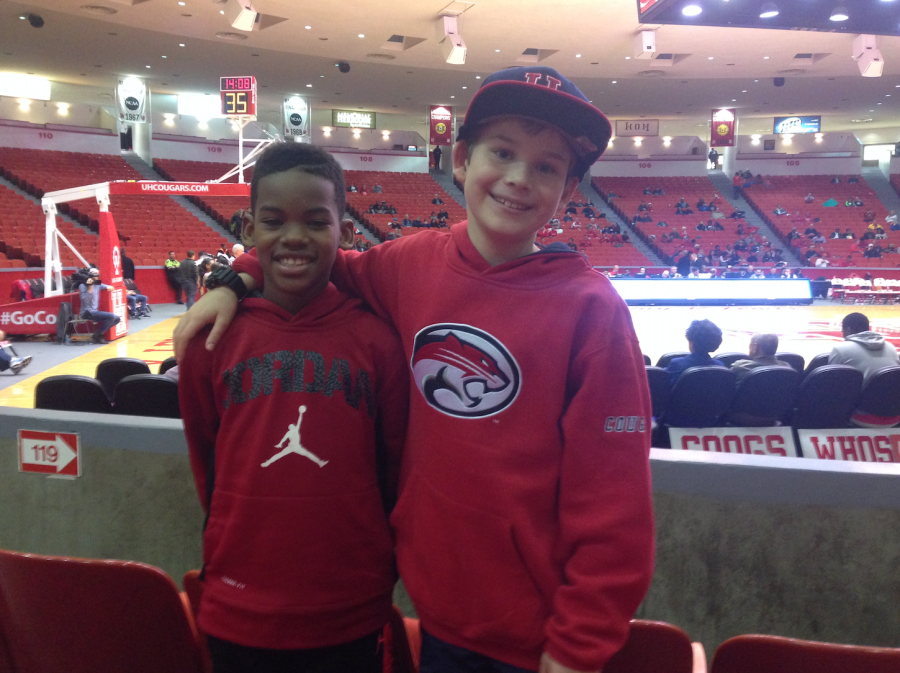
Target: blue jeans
{"points": [[442, 657], [190, 292], [4, 360], [105, 319], [135, 300]]}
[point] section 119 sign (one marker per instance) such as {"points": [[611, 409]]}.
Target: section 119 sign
{"points": [[51, 453]]}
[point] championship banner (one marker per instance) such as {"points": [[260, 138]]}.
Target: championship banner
{"points": [[113, 300], [637, 127], [864, 445], [295, 112], [768, 441], [131, 99], [441, 121], [724, 128]]}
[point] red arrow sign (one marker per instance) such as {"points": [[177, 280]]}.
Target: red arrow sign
{"points": [[49, 452]]}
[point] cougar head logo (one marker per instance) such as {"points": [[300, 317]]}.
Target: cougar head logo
{"points": [[463, 371]]}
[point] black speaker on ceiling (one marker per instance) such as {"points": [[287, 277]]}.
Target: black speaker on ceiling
{"points": [[35, 21], [778, 81], [343, 66]]}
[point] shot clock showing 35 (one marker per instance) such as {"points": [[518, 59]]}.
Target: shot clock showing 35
{"points": [[238, 96]]}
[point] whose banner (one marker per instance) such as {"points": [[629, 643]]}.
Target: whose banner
{"points": [[864, 445], [441, 121], [110, 267], [724, 128], [768, 441], [295, 113], [131, 100]]}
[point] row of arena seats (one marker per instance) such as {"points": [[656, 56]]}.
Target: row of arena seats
{"points": [[84, 615], [819, 396], [625, 195], [789, 192], [121, 385], [22, 234], [152, 225]]}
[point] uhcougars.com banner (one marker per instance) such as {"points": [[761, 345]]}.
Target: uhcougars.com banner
{"points": [[150, 188]]}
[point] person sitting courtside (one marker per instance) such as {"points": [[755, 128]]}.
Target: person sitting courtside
{"points": [[703, 337]]}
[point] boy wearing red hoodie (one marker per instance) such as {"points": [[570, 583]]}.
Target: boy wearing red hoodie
{"points": [[524, 525], [295, 426]]}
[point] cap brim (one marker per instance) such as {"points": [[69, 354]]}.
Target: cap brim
{"points": [[570, 114]]}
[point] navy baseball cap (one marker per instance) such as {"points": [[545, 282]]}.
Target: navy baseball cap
{"points": [[542, 93]]}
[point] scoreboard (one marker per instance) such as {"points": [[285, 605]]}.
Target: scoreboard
{"points": [[238, 96]]}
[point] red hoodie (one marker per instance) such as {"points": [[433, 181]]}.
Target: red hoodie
{"points": [[524, 522], [288, 414]]}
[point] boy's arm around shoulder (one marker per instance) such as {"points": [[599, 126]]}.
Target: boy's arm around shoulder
{"points": [[196, 396], [605, 514]]}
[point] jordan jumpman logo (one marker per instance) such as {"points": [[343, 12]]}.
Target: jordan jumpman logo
{"points": [[292, 437]]}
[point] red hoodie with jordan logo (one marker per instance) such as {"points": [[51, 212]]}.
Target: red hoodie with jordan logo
{"points": [[295, 424]]}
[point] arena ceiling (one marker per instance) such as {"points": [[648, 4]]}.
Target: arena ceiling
{"points": [[86, 44]]}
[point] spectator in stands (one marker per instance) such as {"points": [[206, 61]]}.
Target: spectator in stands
{"points": [[779, 210], [762, 354], [572, 245], [7, 361], [818, 238], [648, 191], [662, 223], [406, 221], [736, 183], [437, 201], [821, 262], [190, 278], [572, 209], [642, 273], [173, 276], [236, 251], [717, 226], [574, 224], [880, 233], [643, 206], [589, 212], [869, 216], [809, 198], [713, 157], [137, 302], [436, 153], [237, 222], [701, 226], [360, 245], [89, 292], [683, 264], [872, 252], [868, 352], [891, 219], [849, 235], [615, 272], [127, 265], [352, 189], [703, 337], [569, 218], [836, 233], [852, 179], [376, 189], [836, 180], [659, 191]]}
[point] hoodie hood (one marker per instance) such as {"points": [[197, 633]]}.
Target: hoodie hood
{"points": [[868, 340]]}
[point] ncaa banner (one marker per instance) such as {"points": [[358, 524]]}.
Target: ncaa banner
{"points": [[441, 120], [296, 113], [131, 100], [767, 441], [864, 445], [110, 266], [724, 128]]}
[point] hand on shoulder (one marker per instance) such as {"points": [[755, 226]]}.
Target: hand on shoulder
{"points": [[217, 306]]}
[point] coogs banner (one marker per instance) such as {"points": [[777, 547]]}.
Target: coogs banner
{"points": [[296, 117], [131, 100], [723, 129], [441, 120]]}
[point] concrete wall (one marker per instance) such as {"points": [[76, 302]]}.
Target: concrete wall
{"points": [[54, 137], [794, 547]]}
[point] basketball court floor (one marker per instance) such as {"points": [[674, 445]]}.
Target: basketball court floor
{"points": [[807, 330]]}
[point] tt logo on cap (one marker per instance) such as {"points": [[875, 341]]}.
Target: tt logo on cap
{"points": [[535, 78]]}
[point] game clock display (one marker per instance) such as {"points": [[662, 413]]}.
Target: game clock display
{"points": [[238, 96]]}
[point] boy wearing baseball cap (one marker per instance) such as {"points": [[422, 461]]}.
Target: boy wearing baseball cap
{"points": [[524, 525]]}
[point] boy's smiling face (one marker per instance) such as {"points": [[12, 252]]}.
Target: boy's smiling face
{"points": [[297, 232], [514, 181]]}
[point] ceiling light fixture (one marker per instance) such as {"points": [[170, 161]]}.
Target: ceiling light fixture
{"points": [[308, 27], [768, 10], [839, 14], [453, 47], [692, 10], [360, 35], [638, 140]]}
